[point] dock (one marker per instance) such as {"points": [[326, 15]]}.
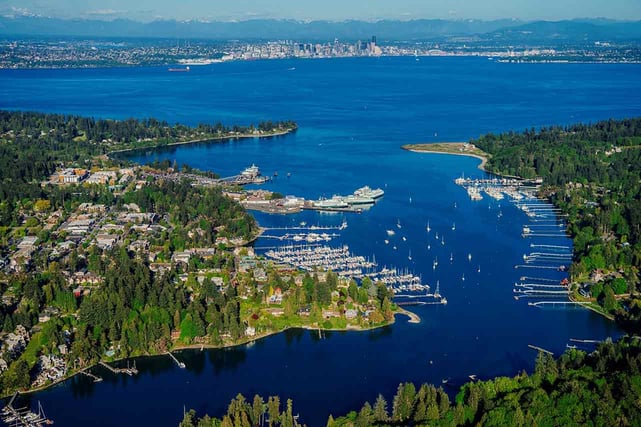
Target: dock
{"points": [[95, 378], [23, 416], [131, 371], [180, 364], [533, 347]]}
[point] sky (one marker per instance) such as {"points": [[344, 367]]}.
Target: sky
{"points": [[148, 10]]}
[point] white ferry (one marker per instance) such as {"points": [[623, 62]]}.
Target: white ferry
{"points": [[369, 192]]}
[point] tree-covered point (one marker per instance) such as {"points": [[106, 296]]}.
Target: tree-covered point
{"points": [[601, 388], [34, 145], [593, 173]]}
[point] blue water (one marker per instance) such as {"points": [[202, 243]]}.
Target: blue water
{"points": [[353, 115]]}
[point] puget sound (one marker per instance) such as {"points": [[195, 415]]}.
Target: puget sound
{"points": [[353, 116]]}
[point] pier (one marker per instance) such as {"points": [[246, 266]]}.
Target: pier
{"points": [[131, 371], [553, 303], [533, 347], [542, 267], [585, 341], [180, 364], [95, 378]]}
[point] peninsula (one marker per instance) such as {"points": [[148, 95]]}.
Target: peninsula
{"points": [[455, 148], [102, 260]]}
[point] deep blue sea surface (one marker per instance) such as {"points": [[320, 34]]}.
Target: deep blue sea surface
{"points": [[353, 114]]}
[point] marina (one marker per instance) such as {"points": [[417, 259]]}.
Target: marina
{"points": [[23, 417], [349, 266]]}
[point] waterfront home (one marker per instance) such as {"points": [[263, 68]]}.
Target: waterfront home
{"points": [[330, 313], [350, 314]]}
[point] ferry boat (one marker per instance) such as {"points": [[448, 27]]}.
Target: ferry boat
{"points": [[334, 202], [369, 192], [353, 199], [251, 171]]}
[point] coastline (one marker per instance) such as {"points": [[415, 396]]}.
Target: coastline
{"points": [[414, 318], [453, 148], [211, 139]]}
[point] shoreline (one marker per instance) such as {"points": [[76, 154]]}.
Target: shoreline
{"points": [[211, 139], [445, 148], [414, 318]]}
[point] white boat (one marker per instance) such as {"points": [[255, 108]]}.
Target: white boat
{"points": [[391, 232], [369, 192], [251, 171], [398, 223], [404, 238], [358, 200], [428, 227], [451, 257], [429, 246], [469, 257], [386, 242], [334, 202], [453, 227], [410, 255]]}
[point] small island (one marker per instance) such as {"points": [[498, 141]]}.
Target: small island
{"points": [[455, 148]]}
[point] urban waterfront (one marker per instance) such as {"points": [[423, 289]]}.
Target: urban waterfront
{"points": [[353, 115]]}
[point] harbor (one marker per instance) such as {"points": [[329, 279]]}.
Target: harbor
{"points": [[359, 201], [340, 260]]}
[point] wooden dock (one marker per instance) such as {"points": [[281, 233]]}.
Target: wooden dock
{"points": [[533, 347], [131, 371], [180, 364], [95, 378]]}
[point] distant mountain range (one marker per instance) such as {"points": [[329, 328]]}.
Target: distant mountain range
{"points": [[416, 30]]}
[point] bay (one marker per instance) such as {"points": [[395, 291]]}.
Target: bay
{"points": [[353, 115]]}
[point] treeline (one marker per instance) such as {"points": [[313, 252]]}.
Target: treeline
{"points": [[561, 154], [242, 413], [60, 128], [34, 145], [198, 214], [592, 172], [600, 388]]}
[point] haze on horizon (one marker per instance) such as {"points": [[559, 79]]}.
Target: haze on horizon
{"points": [[210, 10]]}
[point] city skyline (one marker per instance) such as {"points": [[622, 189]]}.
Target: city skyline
{"points": [[149, 10]]}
